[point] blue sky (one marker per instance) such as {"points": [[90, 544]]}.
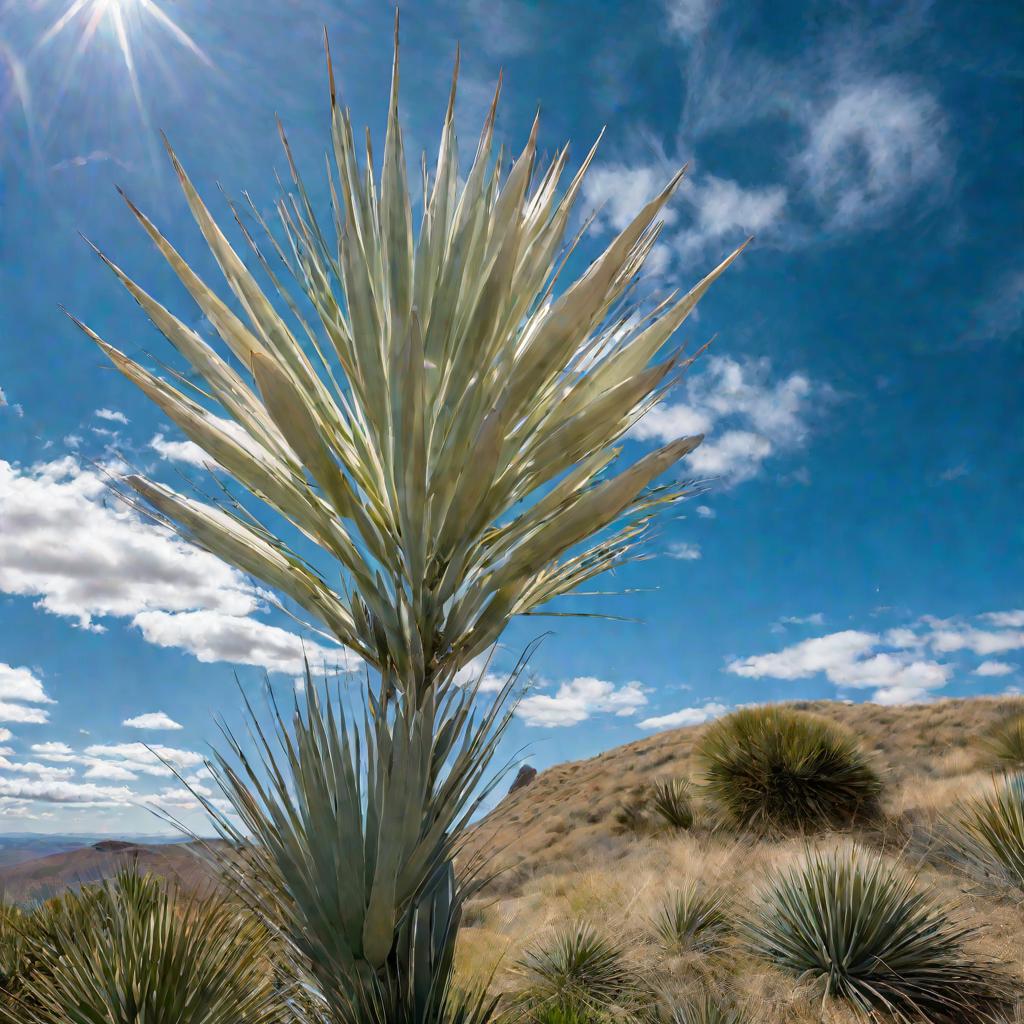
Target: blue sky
{"points": [[860, 534]]}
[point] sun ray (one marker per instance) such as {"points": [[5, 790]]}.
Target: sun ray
{"points": [[176, 30]]}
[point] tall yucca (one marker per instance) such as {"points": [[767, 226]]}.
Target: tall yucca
{"points": [[447, 433]]}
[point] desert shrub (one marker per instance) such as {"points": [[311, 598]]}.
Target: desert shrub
{"points": [[631, 815], [127, 951], [775, 769], [670, 799], [989, 834], [578, 975], [1005, 743], [706, 1009], [694, 918], [876, 939]]}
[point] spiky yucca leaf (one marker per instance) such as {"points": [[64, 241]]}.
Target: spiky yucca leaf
{"points": [[127, 951], [670, 798], [989, 834], [876, 939], [579, 971], [447, 430], [773, 768], [695, 918], [1005, 743]]}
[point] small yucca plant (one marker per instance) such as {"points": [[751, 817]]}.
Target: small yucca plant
{"points": [[1005, 744], [579, 972], [706, 1009], [877, 940], [671, 800], [775, 769], [989, 834], [693, 919], [127, 952]]}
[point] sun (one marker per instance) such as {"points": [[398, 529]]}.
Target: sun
{"points": [[124, 18]]}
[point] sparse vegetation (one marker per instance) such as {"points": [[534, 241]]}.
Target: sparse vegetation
{"points": [[991, 834], [706, 1009], [671, 800], [1005, 744], [694, 918], [874, 938], [773, 769]]}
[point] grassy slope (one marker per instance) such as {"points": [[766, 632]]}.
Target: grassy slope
{"points": [[564, 859]]}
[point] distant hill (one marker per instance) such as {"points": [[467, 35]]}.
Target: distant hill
{"points": [[39, 878], [18, 847]]}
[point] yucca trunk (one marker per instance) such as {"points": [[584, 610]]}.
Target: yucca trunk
{"points": [[446, 433]]}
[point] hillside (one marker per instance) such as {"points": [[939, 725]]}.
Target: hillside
{"points": [[33, 880], [564, 858]]}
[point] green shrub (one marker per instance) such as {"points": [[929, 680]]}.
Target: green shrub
{"points": [[875, 939], [670, 799], [775, 769], [705, 1009], [990, 834], [694, 918], [579, 974], [1006, 743]]}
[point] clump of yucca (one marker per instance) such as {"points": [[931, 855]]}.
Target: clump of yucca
{"points": [[579, 974], [670, 799], [694, 918], [129, 951], [775, 769], [1005, 743], [706, 1009], [877, 940], [990, 834]]}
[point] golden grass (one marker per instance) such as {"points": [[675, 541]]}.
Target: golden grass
{"points": [[564, 860]]}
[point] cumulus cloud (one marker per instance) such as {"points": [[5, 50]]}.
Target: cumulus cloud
{"points": [[82, 554], [47, 771], [576, 700], [491, 682], [1005, 620], [723, 213], [994, 668], [111, 416], [685, 716], [60, 791], [21, 684], [213, 636], [180, 451], [684, 552], [747, 417], [151, 720], [53, 751], [948, 635], [150, 759], [20, 713], [705, 512], [877, 142], [5, 735]]}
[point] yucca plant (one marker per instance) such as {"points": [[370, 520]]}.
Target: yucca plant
{"points": [[445, 432], [127, 951], [579, 972], [695, 918], [988, 833], [706, 1009], [1005, 744], [671, 799], [873, 937], [774, 769]]}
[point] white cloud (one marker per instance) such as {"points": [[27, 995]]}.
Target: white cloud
{"points": [[47, 771], [724, 213], [685, 716], [105, 770], [72, 440], [575, 701], [705, 512], [947, 636], [618, 192], [111, 416], [994, 668], [688, 18], [180, 451], [213, 636], [68, 542], [151, 720], [1005, 620], [814, 619], [492, 681], [59, 791], [4, 404], [150, 759], [20, 713], [684, 552], [747, 416], [53, 751], [876, 144], [851, 659], [5, 735], [1000, 313], [21, 684]]}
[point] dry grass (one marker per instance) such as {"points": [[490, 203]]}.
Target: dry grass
{"points": [[557, 838]]}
